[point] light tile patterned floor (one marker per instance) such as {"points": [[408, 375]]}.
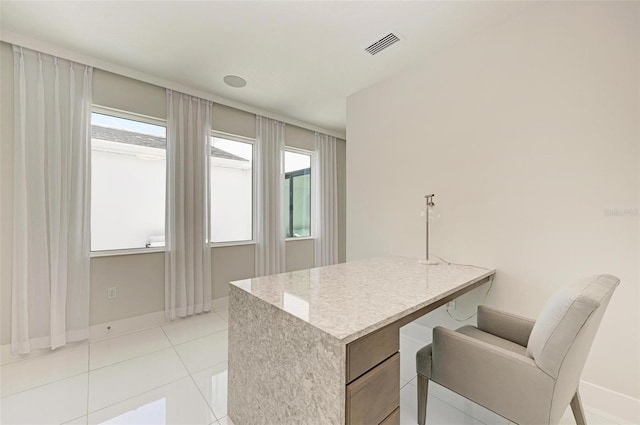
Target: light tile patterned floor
{"points": [[177, 374], [170, 374]]}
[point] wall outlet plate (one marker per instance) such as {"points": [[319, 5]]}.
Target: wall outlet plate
{"points": [[112, 293]]}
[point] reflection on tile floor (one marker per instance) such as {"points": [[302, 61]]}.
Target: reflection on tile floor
{"points": [[177, 374], [177, 403]]}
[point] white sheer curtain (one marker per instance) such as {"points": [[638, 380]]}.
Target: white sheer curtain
{"points": [[51, 201], [326, 201], [270, 231], [188, 227]]}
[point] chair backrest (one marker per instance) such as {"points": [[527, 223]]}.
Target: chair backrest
{"points": [[564, 332]]}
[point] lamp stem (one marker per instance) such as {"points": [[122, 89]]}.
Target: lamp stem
{"points": [[427, 236], [426, 260]]}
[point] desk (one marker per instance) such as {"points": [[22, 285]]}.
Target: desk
{"points": [[320, 346]]}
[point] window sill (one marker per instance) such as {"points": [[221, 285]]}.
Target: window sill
{"points": [[233, 243], [133, 251], [136, 251]]}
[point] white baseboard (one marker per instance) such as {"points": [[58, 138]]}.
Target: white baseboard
{"points": [[7, 357], [220, 304], [605, 402], [111, 329], [144, 321], [125, 326]]}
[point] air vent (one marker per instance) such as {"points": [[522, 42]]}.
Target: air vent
{"points": [[383, 43]]}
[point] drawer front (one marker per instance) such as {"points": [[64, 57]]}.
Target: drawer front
{"points": [[392, 419], [366, 352], [375, 395]]}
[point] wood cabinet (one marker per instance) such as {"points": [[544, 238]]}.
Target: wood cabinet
{"points": [[375, 395], [393, 418], [365, 353], [373, 378]]}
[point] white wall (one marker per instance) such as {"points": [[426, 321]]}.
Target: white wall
{"points": [[526, 133], [127, 195], [231, 200]]}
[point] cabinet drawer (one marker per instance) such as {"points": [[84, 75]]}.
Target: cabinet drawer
{"points": [[392, 419], [375, 395], [366, 352]]}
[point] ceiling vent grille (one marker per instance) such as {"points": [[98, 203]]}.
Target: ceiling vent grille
{"points": [[383, 43]]}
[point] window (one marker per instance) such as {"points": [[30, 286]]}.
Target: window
{"points": [[128, 157], [297, 194], [231, 189]]}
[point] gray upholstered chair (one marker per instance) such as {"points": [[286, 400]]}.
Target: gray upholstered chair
{"points": [[526, 371]]}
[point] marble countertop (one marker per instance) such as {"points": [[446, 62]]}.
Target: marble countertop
{"points": [[352, 299]]}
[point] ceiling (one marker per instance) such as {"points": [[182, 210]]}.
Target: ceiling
{"points": [[300, 59]]}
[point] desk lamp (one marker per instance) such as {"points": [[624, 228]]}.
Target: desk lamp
{"points": [[428, 211]]}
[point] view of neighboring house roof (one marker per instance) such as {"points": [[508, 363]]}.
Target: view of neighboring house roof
{"points": [[132, 138]]}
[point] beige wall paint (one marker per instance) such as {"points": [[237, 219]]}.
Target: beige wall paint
{"points": [[526, 133], [299, 254], [228, 264], [233, 121], [118, 92], [139, 278], [299, 138]]}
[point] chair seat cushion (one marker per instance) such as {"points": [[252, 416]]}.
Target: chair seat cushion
{"points": [[423, 356]]}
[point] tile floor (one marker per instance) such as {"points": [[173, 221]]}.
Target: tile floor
{"points": [[177, 374]]}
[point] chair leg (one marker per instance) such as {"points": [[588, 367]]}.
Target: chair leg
{"points": [[578, 412], [423, 392]]}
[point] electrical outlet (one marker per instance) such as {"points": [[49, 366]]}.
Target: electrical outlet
{"points": [[111, 293], [451, 305]]}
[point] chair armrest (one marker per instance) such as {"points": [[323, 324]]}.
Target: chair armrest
{"points": [[505, 325], [508, 383]]}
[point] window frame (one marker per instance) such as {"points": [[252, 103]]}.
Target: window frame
{"points": [[131, 116], [252, 142], [127, 115], [312, 162], [105, 110]]}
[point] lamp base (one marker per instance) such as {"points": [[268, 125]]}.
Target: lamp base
{"points": [[429, 261]]}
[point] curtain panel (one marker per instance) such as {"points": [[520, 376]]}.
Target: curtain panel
{"points": [[326, 201], [188, 220], [51, 201], [269, 168]]}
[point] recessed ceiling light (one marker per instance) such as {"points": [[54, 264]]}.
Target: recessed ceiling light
{"points": [[235, 81]]}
